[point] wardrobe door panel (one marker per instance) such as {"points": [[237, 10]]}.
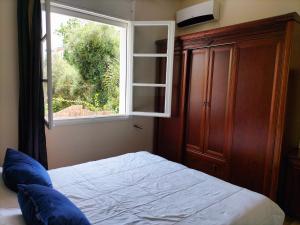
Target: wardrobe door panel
{"points": [[196, 97], [218, 101], [255, 106]]}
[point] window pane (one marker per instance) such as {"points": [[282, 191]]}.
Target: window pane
{"points": [[145, 70], [44, 58], [85, 67], [148, 99], [146, 36], [43, 20], [45, 88], [152, 73]]}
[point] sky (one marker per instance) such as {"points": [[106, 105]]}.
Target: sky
{"points": [[56, 21]]}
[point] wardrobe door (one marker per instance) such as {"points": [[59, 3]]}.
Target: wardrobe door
{"points": [[195, 120], [219, 102], [255, 112]]}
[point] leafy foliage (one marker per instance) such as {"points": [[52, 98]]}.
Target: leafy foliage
{"points": [[88, 72], [66, 78]]}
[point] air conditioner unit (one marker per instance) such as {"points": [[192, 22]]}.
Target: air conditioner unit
{"points": [[198, 13]]}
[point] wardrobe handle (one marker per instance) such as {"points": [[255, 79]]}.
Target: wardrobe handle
{"points": [[206, 104]]}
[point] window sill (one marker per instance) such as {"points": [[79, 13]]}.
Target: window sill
{"points": [[87, 120]]}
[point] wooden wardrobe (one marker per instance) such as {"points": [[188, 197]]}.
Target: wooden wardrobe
{"points": [[229, 101]]}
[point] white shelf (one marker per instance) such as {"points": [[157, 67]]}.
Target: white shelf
{"points": [[148, 85], [152, 114], [154, 55]]}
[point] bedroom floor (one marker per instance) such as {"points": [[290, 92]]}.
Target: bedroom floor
{"points": [[290, 221]]}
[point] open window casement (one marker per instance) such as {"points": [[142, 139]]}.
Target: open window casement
{"points": [[148, 94], [47, 61], [145, 94]]}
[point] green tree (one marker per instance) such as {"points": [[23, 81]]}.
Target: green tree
{"points": [[65, 79], [93, 49]]}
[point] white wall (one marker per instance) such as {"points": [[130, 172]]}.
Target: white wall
{"points": [[123, 9], [156, 9], [8, 76], [74, 144]]}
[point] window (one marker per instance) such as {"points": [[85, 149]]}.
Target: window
{"points": [[96, 67]]}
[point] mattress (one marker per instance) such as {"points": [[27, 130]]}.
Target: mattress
{"points": [[141, 188]]}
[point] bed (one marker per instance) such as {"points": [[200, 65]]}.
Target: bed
{"points": [[142, 188]]}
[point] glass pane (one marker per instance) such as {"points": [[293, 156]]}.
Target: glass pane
{"points": [[86, 67], [44, 58], [145, 38], [148, 99], [45, 89], [43, 20], [145, 70]]}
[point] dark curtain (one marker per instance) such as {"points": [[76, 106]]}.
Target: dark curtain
{"points": [[32, 139]]}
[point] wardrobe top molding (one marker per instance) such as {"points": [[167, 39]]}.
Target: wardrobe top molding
{"points": [[276, 26], [257, 25]]}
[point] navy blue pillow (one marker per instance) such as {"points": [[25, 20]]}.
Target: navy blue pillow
{"points": [[19, 168], [42, 205]]}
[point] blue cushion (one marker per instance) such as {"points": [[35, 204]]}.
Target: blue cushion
{"points": [[19, 168], [42, 205]]}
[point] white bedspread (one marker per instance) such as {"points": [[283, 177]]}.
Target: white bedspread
{"points": [[141, 188]]}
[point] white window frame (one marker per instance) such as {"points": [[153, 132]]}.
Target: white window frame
{"points": [[47, 37], [126, 79], [169, 67]]}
